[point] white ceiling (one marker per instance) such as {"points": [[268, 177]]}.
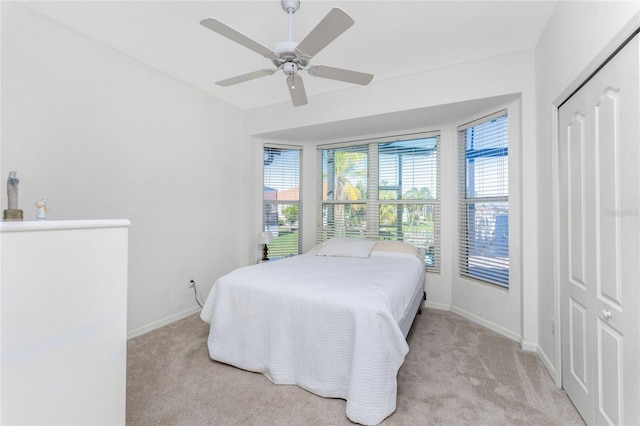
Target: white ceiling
{"points": [[389, 39]]}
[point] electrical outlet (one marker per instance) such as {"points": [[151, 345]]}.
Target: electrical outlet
{"points": [[192, 283]]}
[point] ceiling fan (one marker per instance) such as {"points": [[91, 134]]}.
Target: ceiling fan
{"points": [[292, 57]]}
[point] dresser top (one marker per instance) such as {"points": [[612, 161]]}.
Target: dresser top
{"points": [[55, 225]]}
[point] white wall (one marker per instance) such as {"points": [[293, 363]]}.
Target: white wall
{"points": [[512, 313], [101, 135], [575, 36]]}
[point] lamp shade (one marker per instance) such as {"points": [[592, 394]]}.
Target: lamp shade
{"points": [[265, 237]]}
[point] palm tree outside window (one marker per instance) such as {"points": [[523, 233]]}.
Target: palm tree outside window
{"points": [[385, 190]]}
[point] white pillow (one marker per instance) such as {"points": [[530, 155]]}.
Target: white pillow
{"points": [[398, 247], [346, 247]]}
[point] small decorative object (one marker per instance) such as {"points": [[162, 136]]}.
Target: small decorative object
{"points": [[12, 212], [41, 205], [265, 238]]}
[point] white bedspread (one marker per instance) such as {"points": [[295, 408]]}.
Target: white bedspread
{"points": [[326, 324]]}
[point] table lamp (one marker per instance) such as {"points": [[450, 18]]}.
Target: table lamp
{"points": [[265, 238]]}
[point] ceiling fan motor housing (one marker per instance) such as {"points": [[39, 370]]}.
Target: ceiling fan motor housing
{"points": [[286, 53]]}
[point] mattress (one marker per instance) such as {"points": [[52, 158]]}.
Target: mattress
{"points": [[330, 325]]}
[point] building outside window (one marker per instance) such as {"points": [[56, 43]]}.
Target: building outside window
{"points": [[281, 201]]}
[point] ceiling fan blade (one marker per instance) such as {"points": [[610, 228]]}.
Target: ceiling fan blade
{"points": [[335, 23], [296, 90], [245, 77], [234, 35], [340, 74]]}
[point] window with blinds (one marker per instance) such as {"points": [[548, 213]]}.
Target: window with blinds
{"points": [[281, 202], [345, 174], [386, 190], [483, 215]]}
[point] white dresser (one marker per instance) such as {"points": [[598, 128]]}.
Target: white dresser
{"points": [[63, 310]]}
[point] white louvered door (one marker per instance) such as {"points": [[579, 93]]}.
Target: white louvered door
{"points": [[599, 194]]}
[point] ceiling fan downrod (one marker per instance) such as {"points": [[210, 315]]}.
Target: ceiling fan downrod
{"points": [[290, 6]]}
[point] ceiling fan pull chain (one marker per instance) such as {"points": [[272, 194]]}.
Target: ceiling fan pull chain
{"points": [[293, 79]]}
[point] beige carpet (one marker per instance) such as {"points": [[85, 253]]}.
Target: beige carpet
{"points": [[456, 373]]}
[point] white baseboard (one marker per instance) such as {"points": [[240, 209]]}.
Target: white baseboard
{"points": [[165, 321], [438, 306], [529, 346], [488, 324], [547, 363]]}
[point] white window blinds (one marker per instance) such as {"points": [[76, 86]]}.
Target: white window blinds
{"points": [[344, 192], [282, 205], [409, 194], [484, 200], [385, 190]]}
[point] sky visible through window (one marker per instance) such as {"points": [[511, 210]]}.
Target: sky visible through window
{"points": [[418, 157], [487, 150], [281, 170]]}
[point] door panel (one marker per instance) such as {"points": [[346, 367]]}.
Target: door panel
{"points": [[575, 215], [575, 320], [599, 259], [578, 344], [607, 153], [615, 96], [609, 373]]}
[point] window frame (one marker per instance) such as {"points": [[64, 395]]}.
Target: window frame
{"points": [[501, 278], [372, 202], [273, 253]]}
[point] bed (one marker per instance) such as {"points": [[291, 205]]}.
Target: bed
{"points": [[332, 321]]}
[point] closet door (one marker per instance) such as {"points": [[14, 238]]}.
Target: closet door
{"points": [[599, 193]]}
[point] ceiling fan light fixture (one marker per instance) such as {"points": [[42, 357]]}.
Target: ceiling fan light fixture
{"points": [[289, 68]]}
